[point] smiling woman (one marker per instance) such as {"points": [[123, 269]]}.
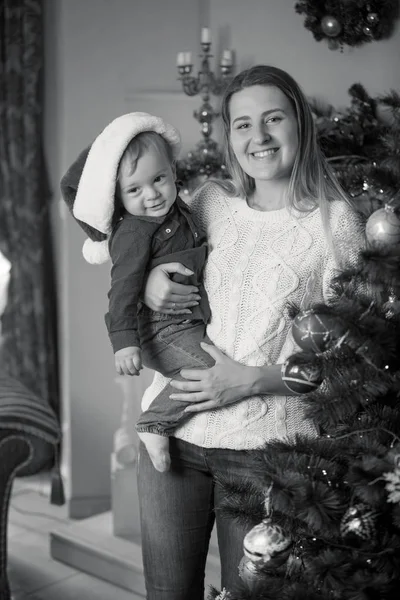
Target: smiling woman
{"points": [[264, 138], [268, 233]]}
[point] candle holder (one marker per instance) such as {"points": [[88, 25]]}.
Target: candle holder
{"points": [[206, 159]]}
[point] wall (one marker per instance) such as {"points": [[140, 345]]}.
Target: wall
{"points": [[107, 57], [271, 32], [103, 57]]}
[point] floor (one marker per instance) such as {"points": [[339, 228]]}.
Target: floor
{"points": [[33, 574]]}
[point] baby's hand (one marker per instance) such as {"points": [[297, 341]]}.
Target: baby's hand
{"points": [[128, 361]]}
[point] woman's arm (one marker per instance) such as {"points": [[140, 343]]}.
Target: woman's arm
{"points": [[163, 295], [226, 382]]}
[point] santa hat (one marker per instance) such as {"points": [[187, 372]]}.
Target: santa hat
{"points": [[88, 187]]}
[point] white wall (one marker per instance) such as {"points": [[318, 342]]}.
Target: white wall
{"points": [[271, 32], [107, 57], [100, 54]]}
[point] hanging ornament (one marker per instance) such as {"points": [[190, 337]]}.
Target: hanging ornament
{"points": [[333, 44], [316, 332], [265, 541], [392, 306], [331, 26], [383, 229], [359, 522], [373, 18], [248, 571], [223, 595], [300, 379], [392, 486]]}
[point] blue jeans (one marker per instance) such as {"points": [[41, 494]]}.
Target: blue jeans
{"points": [[177, 511], [169, 345]]}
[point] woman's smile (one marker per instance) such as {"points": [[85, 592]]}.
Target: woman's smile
{"points": [[263, 132], [262, 154]]}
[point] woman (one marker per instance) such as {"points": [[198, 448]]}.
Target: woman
{"points": [[276, 234]]}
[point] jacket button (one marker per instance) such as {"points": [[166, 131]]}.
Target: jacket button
{"points": [[168, 230], [195, 234]]}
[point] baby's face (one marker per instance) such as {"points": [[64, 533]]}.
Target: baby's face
{"points": [[150, 190]]}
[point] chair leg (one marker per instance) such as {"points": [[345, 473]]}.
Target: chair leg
{"points": [[15, 451]]}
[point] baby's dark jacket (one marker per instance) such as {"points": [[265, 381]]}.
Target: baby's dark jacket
{"points": [[137, 244]]}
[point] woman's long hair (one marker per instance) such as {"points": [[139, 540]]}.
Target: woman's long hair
{"points": [[312, 182]]}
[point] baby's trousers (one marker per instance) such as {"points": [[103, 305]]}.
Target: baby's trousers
{"points": [[169, 345], [178, 509]]}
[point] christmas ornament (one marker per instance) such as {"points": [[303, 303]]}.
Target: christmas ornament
{"points": [[316, 332], [331, 26], [372, 18], [359, 522], [383, 229], [350, 22], [248, 571], [264, 541], [300, 379], [393, 485], [392, 306], [223, 595], [333, 44]]}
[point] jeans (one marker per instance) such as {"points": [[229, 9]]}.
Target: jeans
{"points": [[177, 512], [169, 345]]}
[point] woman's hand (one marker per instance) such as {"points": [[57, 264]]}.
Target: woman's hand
{"points": [[225, 383], [166, 296]]}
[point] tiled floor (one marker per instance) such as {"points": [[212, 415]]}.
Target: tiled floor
{"points": [[33, 574]]}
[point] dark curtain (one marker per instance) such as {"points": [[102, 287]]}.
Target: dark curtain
{"points": [[29, 344]]}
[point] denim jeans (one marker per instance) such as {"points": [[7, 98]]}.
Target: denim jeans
{"points": [[177, 511], [169, 345]]}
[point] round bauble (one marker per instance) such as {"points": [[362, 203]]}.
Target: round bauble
{"points": [[373, 18], [264, 541], [331, 26], [248, 571], [359, 522], [316, 332], [300, 379], [383, 229], [367, 31]]}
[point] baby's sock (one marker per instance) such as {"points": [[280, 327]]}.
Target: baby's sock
{"points": [[158, 448]]}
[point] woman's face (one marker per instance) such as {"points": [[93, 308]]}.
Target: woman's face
{"points": [[263, 132]]}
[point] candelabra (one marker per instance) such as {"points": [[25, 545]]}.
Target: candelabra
{"points": [[206, 159]]}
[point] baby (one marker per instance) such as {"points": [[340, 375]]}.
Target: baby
{"points": [[123, 193]]}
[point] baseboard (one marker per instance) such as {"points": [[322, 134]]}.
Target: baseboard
{"points": [[86, 506], [90, 546]]}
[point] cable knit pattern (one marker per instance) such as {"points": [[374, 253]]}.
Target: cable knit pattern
{"points": [[258, 261]]}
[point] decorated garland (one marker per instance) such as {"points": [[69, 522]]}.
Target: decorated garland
{"points": [[351, 22]]}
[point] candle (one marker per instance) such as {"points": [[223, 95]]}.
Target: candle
{"points": [[227, 58], [180, 59], [188, 58], [205, 35]]}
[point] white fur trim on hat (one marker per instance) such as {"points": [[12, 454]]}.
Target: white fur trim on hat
{"points": [[94, 202], [96, 253]]}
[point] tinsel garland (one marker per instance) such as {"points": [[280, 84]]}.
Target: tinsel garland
{"points": [[349, 22]]}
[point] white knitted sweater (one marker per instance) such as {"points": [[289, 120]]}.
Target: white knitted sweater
{"points": [[257, 262]]}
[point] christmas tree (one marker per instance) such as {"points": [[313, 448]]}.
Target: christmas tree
{"points": [[325, 512]]}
